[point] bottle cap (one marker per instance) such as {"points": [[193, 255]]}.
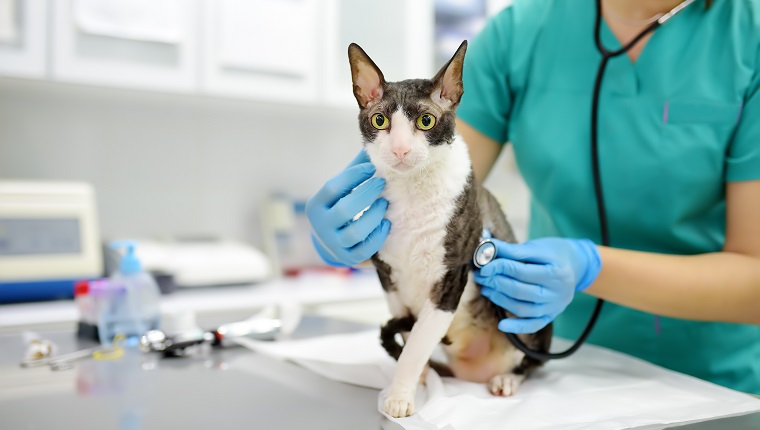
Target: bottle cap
{"points": [[81, 288], [128, 264]]}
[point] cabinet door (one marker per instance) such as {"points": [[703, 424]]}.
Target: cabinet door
{"points": [[263, 49], [149, 44], [23, 36], [396, 34]]}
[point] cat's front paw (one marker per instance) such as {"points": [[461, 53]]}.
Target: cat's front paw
{"points": [[399, 406], [505, 385]]}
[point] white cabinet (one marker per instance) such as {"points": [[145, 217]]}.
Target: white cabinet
{"points": [[296, 50], [263, 49], [396, 34], [156, 49], [289, 51], [23, 36]]}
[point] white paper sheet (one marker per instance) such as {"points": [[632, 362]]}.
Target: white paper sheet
{"points": [[269, 36], [595, 389], [145, 20], [8, 27]]}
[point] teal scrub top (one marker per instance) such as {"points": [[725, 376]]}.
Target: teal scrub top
{"points": [[675, 126]]}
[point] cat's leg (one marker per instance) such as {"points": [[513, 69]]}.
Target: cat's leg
{"points": [[402, 320], [392, 298], [432, 324], [500, 365], [506, 384], [481, 353]]}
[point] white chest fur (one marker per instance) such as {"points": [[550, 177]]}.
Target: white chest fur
{"points": [[421, 205]]}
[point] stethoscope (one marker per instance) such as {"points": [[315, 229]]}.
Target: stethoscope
{"points": [[485, 252]]}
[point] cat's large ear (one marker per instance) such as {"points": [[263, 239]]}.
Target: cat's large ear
{"points": [[367, 77], [448, 81]]}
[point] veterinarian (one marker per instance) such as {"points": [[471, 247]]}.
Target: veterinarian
{"points": [[679, 162]]}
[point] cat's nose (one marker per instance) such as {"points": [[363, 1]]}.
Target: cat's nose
{"points": [[401, 152]]}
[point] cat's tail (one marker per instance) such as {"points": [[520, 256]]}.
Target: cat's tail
{"points": [[389, 331], [396, 326]]}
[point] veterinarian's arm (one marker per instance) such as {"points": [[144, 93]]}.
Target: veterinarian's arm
{"points": [[721, 286], [483, 150]]}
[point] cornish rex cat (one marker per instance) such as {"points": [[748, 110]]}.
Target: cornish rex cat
{"points": [[437, 212]]}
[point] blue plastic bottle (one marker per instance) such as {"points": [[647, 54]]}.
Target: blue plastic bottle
{"points": [[134, 311]]}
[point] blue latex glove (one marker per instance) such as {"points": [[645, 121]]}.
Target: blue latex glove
{"points": [[340, 240], [536, 280]]}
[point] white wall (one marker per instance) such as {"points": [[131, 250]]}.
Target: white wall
{"points": [[172, 164], [169, 164]]}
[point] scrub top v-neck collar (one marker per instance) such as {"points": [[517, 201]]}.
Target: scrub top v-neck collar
{"points": [[626, 77]]}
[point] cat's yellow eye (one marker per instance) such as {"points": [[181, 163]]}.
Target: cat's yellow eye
{"points": [[425, 121], [379, 121]]}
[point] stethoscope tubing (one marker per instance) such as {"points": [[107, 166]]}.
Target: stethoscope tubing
{"points": [[598, 191]]}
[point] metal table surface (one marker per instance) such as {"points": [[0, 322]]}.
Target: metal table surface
{"points": [[229, 388]]}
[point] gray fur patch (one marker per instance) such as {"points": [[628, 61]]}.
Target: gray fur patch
{"points": [[462, 234], [384, 271], [483, 310]]}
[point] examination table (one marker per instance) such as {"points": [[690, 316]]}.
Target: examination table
{"points": [[231, 388]]}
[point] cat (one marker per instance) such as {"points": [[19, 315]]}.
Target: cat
{"points": [[437, 212]]}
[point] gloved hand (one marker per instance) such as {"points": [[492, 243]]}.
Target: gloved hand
{"points": [[340, 240], [536, 280]]}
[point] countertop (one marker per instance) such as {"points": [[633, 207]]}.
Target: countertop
{"points": [[229, 388]]}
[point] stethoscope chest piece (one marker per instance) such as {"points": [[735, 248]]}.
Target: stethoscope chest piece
{"points": [[485, 251]]}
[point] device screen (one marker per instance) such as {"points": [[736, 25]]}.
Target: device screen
{"points": [[39, 236]]}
